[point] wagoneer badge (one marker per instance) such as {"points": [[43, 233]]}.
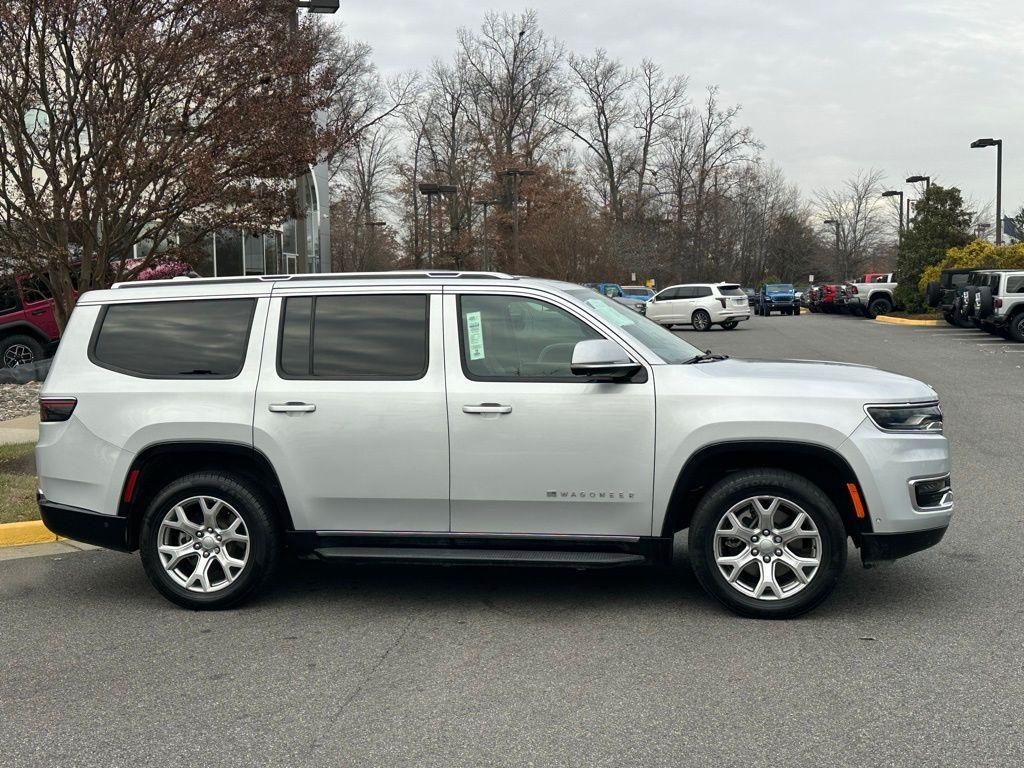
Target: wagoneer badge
{"points": [[591, 495]]}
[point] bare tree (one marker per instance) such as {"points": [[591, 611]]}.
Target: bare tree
{"points": [[862, 218], [658, 99], [512, 69], [155, 120]]}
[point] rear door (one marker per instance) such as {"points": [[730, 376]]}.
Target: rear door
{"points": [[351, 410], [38, 304]]}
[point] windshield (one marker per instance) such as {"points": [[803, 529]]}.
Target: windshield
{"points": [[779, 287], [665, 344]]}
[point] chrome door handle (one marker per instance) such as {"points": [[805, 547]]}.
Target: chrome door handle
{"points": [[291, 407], [487, 408]]}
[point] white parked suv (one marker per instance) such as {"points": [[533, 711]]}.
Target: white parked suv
{"points": [[700, 305], [214, 424]]}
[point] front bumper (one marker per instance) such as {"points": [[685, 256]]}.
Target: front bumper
{"points": [[888, 466], [881, 547], [109, 531]]}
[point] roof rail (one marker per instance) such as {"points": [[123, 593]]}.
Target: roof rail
{"points": [[315, 276]]}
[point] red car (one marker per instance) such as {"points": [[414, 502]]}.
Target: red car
{"points": [[28, 328], [827, 298]]}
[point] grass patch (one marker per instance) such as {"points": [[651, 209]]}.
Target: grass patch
{"points": [[18, 483], [18, 498]]}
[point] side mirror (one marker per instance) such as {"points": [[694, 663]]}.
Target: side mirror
{"points": [[602, 358]]}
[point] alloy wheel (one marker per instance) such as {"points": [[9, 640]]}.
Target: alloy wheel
{"points": [[203, 544], [767, 547], [18, 354]]}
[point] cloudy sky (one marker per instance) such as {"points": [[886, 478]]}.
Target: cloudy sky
{"points": [[829, 86]]}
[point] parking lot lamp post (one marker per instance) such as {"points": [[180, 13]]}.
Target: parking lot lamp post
{"points": [[429, 191], [916, 179], [485, 204], [897, 193], [998, 144], [301, 244], [834, 223], [515, 174]]}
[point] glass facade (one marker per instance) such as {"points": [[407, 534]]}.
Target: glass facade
{"points": [[232, 252]]}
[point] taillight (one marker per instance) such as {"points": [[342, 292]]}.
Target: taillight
{"points": [[998, 302], [723, 301], [853, 289], [56, 408]]}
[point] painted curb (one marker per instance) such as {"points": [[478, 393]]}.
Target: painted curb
{"points": [[905, 321], [27, 532]]}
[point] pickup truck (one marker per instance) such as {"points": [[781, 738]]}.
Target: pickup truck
{"points": [[873, 297]]}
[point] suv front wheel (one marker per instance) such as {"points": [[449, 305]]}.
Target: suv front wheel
{"points": [[767, 543], [209, 540]]}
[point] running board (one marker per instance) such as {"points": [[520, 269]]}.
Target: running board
{"points": [[491, 556]]}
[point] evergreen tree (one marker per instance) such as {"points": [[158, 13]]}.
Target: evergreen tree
{"points": [[941, 222]]}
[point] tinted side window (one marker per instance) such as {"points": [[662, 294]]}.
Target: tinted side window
{"points": [[355, 337], [1015, 284], [686, 292], [668, 293], [701, 291], [9, 299], [515, 337], [175, 339]]}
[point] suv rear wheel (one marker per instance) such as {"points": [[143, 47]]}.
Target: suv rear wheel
{"points": [[209, 540], [20, 350], [767, 543], [1016, 326]]}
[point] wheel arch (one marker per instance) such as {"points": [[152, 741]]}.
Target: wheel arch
{"points": [[161, 463], [819, 464], [23, 328]]}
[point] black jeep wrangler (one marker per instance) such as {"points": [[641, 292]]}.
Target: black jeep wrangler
{"points": [[946, 293]]}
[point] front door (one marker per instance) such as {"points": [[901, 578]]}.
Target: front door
{"points": [[534, 449], [350, 409]]}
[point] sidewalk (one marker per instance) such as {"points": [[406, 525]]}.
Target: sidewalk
{"points": [[24, 429]]}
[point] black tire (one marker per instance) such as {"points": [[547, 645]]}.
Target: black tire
{"points": [[950, 318], [1016, 327], [879, 306], [987, 303], [730, 325], [968, 307], [19, 349], [667, 326], [262, 527], [934, 293], [700, 320], [813, 308], [791, 487]]}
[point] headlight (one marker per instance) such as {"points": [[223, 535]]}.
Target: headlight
{"points": [[926, 417]]}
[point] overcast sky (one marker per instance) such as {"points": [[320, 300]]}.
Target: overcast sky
{"points": [[829, 86]]}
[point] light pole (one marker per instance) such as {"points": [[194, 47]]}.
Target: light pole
{"points": [[834, 223], [374, 226], [515, 174], [485, 204], [915, 179], [895, 193], [998, 144], [301, 244], [429, 191]]}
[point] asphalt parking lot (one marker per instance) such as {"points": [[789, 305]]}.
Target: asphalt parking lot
{"points": [[917, 663]]}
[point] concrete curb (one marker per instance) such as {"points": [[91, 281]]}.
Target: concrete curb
{"points": [[27, 532], [905, 321]]}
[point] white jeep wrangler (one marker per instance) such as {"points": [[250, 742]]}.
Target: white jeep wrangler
{"points": [[214, 424]]}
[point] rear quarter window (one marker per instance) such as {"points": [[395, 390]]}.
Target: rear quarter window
{"points": [[202, 339], [1015, 284]]}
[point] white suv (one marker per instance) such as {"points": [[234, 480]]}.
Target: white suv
{"points": [[700, 305], [468, 418]]}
